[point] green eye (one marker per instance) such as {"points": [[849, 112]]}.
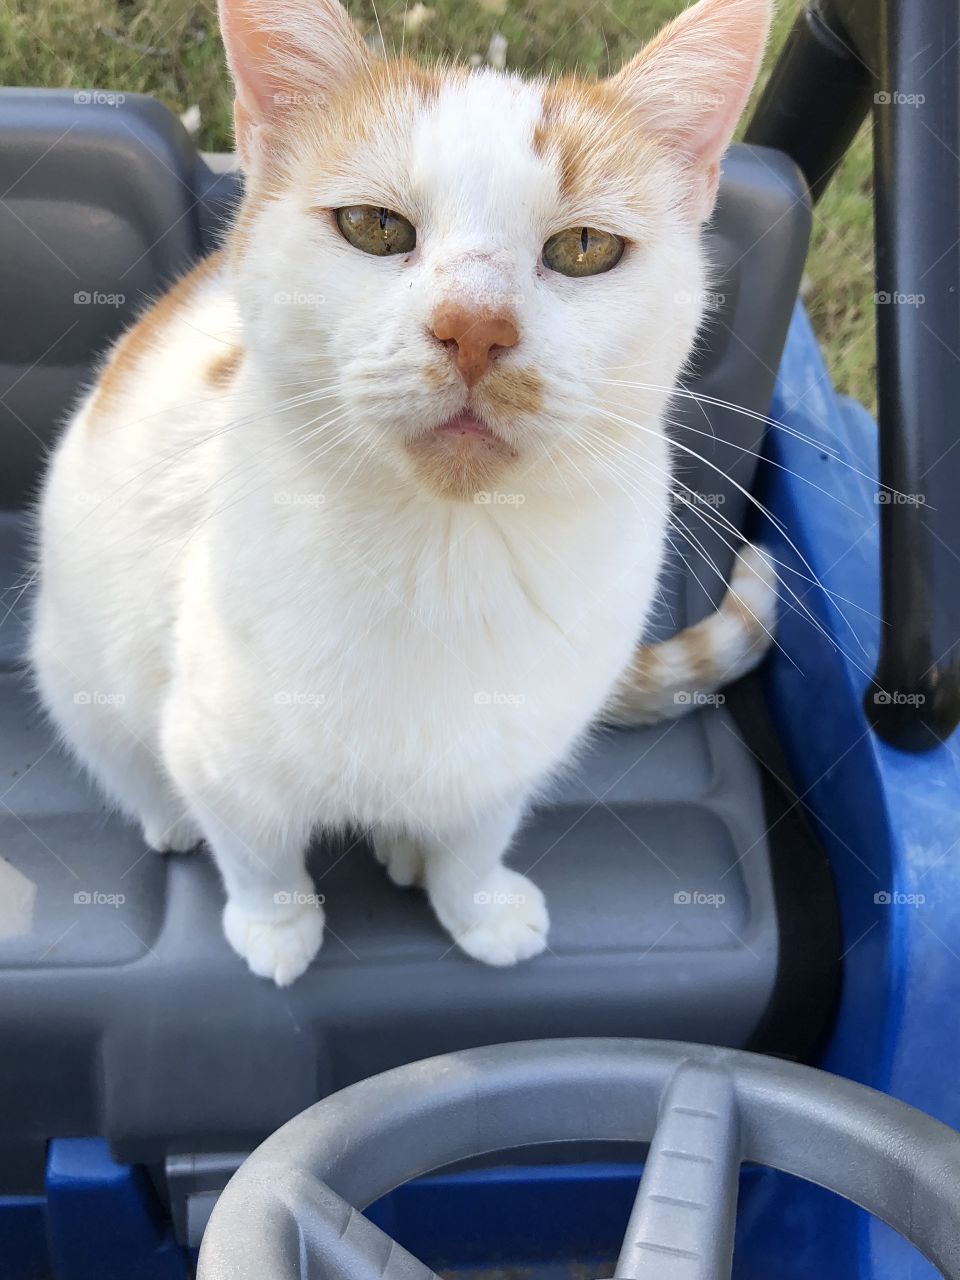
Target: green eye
{"points": [[582, 251], [374, 230]]}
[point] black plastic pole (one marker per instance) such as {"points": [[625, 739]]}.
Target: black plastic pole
{"points": [[817, 97], [915, 698], [900, 58]]}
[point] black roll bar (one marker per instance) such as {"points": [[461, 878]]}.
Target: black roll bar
{"points": [[899, 60]]}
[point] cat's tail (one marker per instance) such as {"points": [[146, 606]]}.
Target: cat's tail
{"points": [[666, 680]]}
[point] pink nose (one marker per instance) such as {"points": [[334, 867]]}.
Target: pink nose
{"points": [[476, 334]]}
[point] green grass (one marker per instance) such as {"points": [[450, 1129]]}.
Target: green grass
{"points": [[170, 49]]}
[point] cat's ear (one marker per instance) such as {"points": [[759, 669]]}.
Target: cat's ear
{"points": [[285, 53], [691, 84]]}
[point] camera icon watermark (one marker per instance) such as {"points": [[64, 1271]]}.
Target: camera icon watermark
{"points": [[95, 898], [97, 698], [494, 498], [486, 899], [709, 298], [496, 698], [299, 298], [98, 98], [284, 99], [894, 98], [883, 298], [887, 698], [97, 298], [298, 498], [296, 898], [894, 498], [893, 898], [693, 498], [299, 698], [695, 898], [698, 698]]}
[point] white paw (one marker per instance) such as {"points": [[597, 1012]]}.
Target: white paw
{"points": [[506, 922], [172, 837], [402, 857], [280, 948]]}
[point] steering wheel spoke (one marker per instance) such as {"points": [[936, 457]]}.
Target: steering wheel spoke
{"points": [[298, 1226], [682, 1224], [338, 1242]]}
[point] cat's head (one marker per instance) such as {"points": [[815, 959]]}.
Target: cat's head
{"points": [[469, 266]]}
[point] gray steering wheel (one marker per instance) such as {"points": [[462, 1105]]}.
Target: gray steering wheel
{"points": [[293, 1209]]}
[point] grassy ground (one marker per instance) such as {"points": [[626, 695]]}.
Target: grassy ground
{"points": [[170, 48]]}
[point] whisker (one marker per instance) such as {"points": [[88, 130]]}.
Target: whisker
{"points": [[768, 515], [701, 399], [800, 606]]}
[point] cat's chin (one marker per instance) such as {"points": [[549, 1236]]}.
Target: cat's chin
{"points": [[461, 458]]}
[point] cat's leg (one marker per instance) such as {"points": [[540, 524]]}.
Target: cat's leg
{"points": [[273, 917], [133, 776], [493, 913], [401, 854], [256, 820], [111, 735]]}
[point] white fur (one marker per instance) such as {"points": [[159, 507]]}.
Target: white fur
{"points": [[279, 632]]}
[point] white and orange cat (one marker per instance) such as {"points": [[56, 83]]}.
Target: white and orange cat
{"points": [[361, 524]]}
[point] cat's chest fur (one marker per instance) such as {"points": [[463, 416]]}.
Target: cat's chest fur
{"points": [[415, 661]]}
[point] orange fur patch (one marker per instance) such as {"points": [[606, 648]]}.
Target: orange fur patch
{"points": [[591, 137], [699, 655], [222, 370], [438, 377], [643, 674], [388, 88], [509, 391], [137, 341]]}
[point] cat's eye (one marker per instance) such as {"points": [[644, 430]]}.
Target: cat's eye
{"points": [[582, 251], [376, 230]]}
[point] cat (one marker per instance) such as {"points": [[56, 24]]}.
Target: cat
{"points": [[360, 524]]}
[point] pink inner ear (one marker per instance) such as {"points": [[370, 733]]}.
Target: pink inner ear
{"points": [[691, 84], [249, 54], [279, 50]]}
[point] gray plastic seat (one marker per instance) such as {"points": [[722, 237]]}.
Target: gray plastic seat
{"points": [[122, 1011]]}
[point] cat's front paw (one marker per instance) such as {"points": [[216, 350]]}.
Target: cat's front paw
{"points": [[280, 948], [506, 922]]}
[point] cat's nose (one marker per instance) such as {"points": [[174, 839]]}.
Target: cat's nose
{"points": [[475, 334]]}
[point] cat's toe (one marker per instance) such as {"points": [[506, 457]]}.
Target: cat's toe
{"points": [[510, 922], [278, 949], [181, 836]]}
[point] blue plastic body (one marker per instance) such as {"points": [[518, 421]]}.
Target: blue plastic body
{"points": [[891, 825], [889, 821]]}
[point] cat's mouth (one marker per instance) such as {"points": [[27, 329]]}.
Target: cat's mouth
{"points": [[461, 456], [467, 428]]}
